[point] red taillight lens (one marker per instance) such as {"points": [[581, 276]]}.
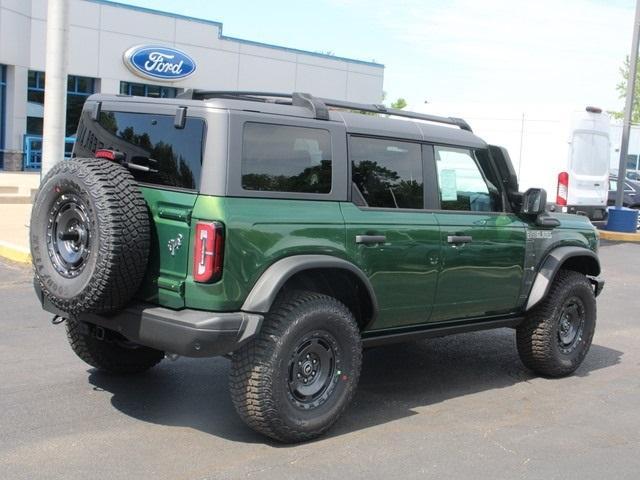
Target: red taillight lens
{"points": [[563, 189], [208, 252], [109, 154]]}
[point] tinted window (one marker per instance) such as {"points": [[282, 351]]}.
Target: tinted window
{"points": [[613, 186], [280, 158], [173, 155], [388, 173], [463, 186]]}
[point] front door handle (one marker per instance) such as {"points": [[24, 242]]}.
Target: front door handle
{"points": [[369, 239], [459, 239]]}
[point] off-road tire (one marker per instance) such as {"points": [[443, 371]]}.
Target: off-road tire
{"points": [[261, 370], [116, 242], [539, 337], [111, 353]]}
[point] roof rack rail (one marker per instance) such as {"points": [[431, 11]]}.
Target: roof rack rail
{"points": [[318, 106]]}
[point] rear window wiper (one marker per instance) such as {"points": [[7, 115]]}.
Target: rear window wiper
{"points": [[139, 168]]}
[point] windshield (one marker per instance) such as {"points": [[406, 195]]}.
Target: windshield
{"points": [[590, 154]]}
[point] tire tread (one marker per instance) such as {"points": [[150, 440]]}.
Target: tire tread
{"points": [[252, 373]]}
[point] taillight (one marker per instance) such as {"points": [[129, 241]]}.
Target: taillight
{"points": [[563, 189], [109, 154], [208, 252]]}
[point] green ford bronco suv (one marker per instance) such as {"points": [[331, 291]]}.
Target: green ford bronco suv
{"points": [[289, 232]]}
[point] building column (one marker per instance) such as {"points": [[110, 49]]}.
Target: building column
{"points": [[16, 116], [108, 85]]}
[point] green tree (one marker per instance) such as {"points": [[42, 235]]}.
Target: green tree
{"points": [[621, 88], [400, 103]]}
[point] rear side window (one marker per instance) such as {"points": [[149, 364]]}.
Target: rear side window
{"points": [[173, 156], [281, 158], [388, 173]]}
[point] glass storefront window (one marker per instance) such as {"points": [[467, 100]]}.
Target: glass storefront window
{"points": [[144, 90], [78, 89]]}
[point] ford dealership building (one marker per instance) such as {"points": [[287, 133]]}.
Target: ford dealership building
{"points": [[116, 48]]}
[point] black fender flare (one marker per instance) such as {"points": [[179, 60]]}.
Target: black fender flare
{"points": [[265, 290], [550, 266]]}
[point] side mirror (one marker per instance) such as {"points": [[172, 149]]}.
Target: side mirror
{"points": [[534, 202]]}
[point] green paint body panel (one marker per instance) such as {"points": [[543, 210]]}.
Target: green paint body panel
{"points": [[483, 277], [404, 270], [417, 275], [260, 231], [165, 279]]}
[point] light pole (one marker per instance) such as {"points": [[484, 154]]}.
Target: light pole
{"points": [[55, 92], [628, 108]]}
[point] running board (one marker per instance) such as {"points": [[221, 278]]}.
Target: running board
{"points": [[412, 334]]}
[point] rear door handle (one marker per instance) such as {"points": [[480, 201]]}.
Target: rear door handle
{"points": [[369, 239], [459, 239]]}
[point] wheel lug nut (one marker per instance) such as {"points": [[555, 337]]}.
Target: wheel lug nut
{"points": [[304, 380], [315, 361], [299, 376], [313, 374]]}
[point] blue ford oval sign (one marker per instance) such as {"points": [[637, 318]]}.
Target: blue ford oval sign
{"points": [[159, 63]]}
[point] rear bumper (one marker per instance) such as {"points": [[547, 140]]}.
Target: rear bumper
{"points": [[593, 212], [190, 333]]}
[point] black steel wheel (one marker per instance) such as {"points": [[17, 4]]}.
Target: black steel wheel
{"points": [[557, 333], [294, 380], [314, 369], [69, 235], [571, 325]]}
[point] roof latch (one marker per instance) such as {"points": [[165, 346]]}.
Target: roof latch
{"points": [[181, 117], [95, 111]]}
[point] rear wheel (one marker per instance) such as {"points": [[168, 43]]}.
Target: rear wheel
{"points": [[295, 379], [557, 333], [109, 351]]}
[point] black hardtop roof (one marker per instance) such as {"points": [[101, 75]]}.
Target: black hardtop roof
{"points": [[386, 122]]}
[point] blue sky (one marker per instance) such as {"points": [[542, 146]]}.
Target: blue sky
{"points": [[522, 51]]}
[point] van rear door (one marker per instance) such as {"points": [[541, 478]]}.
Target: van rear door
{"points": [[589, 169]]}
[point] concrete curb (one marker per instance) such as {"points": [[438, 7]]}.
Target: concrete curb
{"points": [[14, 253], [619, 236]]}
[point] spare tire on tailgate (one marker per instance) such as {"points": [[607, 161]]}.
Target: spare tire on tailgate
{"points": [[89, 236]]}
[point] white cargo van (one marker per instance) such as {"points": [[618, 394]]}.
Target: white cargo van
{"points": [[563, 149]]}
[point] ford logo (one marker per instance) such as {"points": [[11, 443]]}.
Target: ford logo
{"points": [[159, 63]]}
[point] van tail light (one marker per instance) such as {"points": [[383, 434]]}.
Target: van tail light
{"points": [[563, 189], [208, 252]]}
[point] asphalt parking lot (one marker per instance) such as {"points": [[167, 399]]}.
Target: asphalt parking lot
{"points": [[456, 407]]}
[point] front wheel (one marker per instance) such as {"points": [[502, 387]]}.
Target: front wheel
{"points": [[295, 379], [557, 333]]}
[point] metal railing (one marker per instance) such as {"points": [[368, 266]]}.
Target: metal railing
{"points": [[33, 151]]}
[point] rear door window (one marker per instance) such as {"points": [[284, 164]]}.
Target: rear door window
{"points": [[168, 156], [387, 173], [283, 158]]}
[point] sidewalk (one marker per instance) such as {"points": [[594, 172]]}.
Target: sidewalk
{"points": [[16, 193]]}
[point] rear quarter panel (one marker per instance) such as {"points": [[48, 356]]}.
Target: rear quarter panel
{"points": [[260, 231]]}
